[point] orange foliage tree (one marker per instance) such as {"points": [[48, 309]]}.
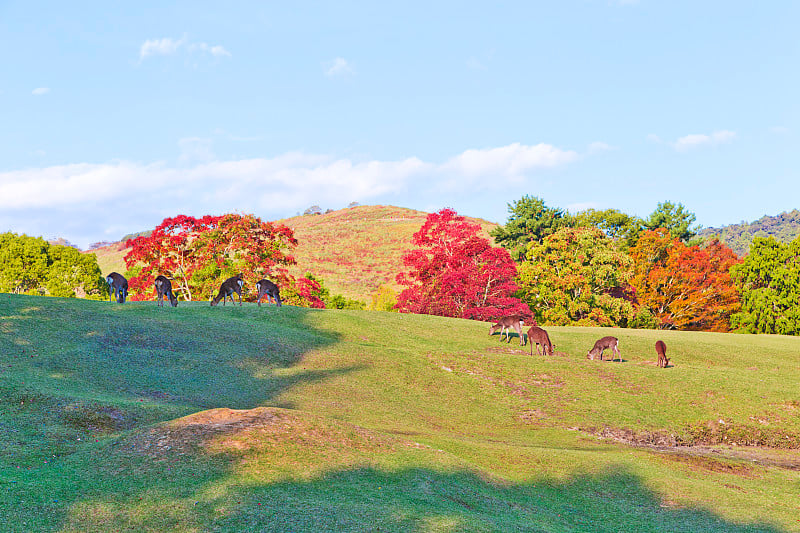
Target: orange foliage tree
{"points": [[684, 287]]}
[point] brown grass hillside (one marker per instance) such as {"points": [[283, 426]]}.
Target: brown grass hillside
{"points": [[354, 250]]}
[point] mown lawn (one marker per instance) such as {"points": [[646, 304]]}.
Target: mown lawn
{"points": [[141, 418]]}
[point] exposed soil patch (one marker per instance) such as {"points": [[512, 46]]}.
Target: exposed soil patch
{"points": [[238, 430], [701, 455], [704, 463]]}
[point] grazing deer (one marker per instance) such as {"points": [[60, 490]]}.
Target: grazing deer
{"points": [[118, 286], [661, 350], [601, 345], [228, 287], [504, 324], [270, 290], [164, 287], [539, 337]]}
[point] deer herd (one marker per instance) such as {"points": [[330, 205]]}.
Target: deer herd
{"points": [[118, 290], [539, 337]]}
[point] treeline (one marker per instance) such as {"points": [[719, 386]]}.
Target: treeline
{"points": [[601, 268], [31, 265], [739, 237]]}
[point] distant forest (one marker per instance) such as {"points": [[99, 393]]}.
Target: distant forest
{"points": [[784, 227]]}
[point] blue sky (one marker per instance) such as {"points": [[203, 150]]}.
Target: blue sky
{"points": [[113, 117]]}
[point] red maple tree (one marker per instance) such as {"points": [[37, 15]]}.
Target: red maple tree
{"points": [[685, 287], [456, 272], [197, 253]]}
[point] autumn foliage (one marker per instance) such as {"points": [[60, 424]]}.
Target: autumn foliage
{"points": [[199, 253], [577, 276], [685, 287], [453, 271]]}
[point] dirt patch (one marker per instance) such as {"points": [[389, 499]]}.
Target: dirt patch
{"points": [[703, 463], [684, 448], [240, 430]]}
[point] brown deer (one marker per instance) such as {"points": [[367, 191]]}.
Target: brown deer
{"points": [[603, 344], [118, 286], [661, 350], [164, 287], [228, 287], [539, 337], [270, 290], [504, 324]]}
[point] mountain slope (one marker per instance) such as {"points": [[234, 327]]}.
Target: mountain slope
{"points": [[784, 227], [355, 250]]}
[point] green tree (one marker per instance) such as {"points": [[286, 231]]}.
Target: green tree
{"points": [[621, 227], [768, 281], [530, 220], [675, 219], [31, 265], [577, 276]]}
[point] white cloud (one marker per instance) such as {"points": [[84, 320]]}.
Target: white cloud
{"points": [[39, 91], [169, 46], [216, 51], [696, 140], [160, 47], [513, 160], [82, 201], [338, 67]]}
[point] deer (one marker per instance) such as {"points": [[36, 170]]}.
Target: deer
{"points": [[661, 350], [603, 344], [539, 337], [270, 290], [164, 287], [228, 287], [117, 286], [504, 324]]}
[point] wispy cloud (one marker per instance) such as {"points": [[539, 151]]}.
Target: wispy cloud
{"points": [[160, 47], [39, 91], [169, 46], [338, 67], [599, 146], [696, 140]]}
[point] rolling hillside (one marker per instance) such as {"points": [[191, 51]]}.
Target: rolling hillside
{"points": [[354, 250], [784, 227], [133, 417]]}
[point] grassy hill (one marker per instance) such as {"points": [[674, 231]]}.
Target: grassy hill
{"points": [[141, 418], [354, 250]]}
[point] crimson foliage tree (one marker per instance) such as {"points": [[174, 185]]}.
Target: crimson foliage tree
{"points": [[456, 272], [198, 252]]}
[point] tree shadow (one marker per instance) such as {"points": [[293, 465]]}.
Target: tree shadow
{"points": [[78, 369], [410, 499]]}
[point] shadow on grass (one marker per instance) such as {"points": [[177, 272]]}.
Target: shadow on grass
{"points": [[74, 370], [370, 499]]}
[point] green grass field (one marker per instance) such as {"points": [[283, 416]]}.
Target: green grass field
{"points": [[137, 418]]}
